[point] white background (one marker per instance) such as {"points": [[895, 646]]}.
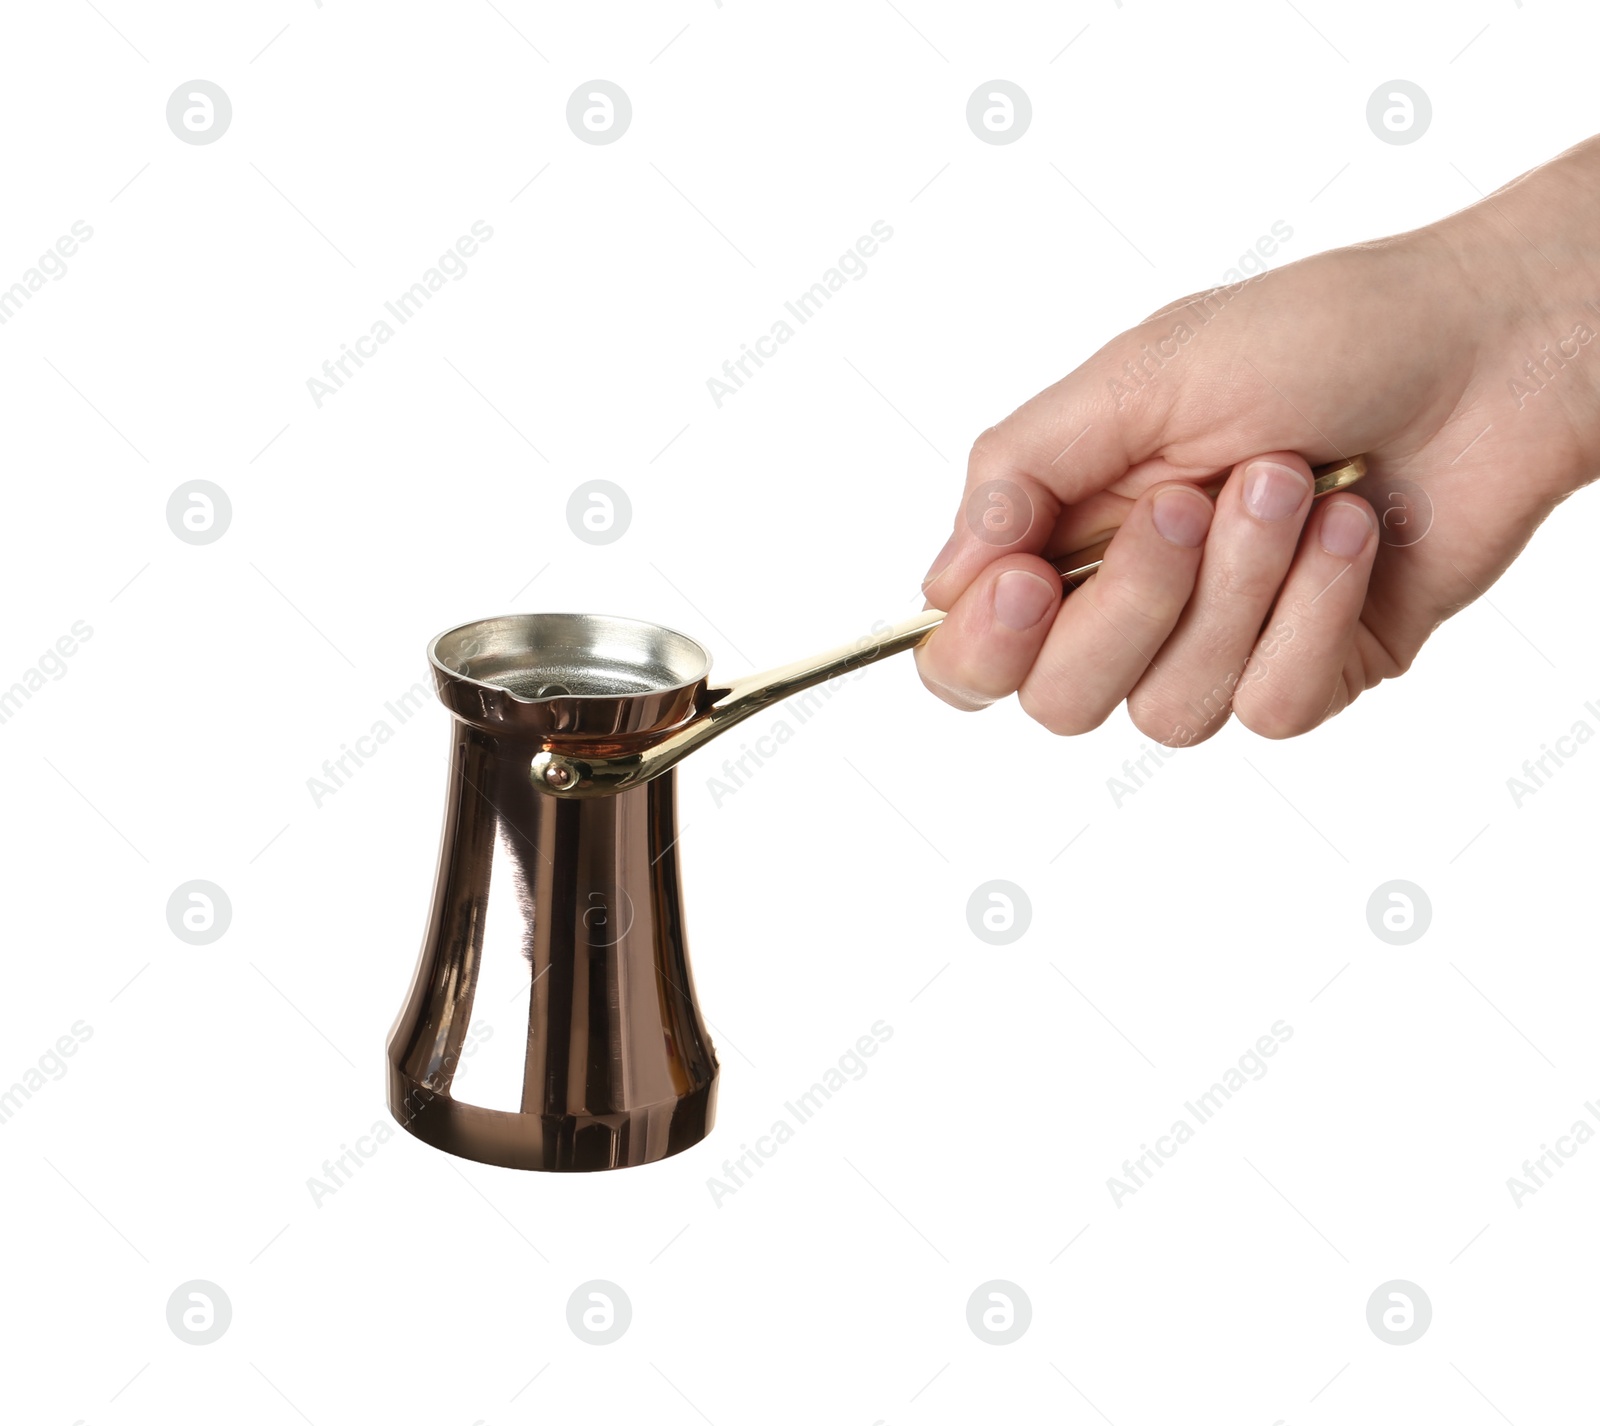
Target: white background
{"points": [[1226, 895]]}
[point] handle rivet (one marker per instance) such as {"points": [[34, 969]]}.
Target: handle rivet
{"points": [[557, 775]]}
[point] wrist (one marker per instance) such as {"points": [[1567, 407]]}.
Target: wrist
{"points": [[1527, 258]]}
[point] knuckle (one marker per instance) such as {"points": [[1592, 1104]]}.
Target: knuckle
{"points": [[1001, 504], [1127, 602], [990, 453], [1241, 586]]}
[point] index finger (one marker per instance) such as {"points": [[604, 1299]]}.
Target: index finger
{"points": [[1069, 442]]}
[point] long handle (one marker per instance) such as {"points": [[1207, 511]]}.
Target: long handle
{"points": [[568, 776], [573, 776]]}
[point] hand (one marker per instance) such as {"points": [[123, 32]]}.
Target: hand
{"points": [[1462, 359]]}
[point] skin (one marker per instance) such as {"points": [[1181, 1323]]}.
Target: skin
{"points": [[1275, 608]]}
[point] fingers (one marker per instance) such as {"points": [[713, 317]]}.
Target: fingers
{"points": [[1110, 630], [991, 637], [1254, 608], [1060, 448], [999, 518], [1187, 694], [1074, 666], [1174, 620], [1297, 675]]}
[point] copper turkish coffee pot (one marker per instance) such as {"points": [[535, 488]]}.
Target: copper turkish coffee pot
{"points": [[552, 1021]]}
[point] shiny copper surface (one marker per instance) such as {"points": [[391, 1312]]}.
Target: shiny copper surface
{"points": [[551, 1022]]}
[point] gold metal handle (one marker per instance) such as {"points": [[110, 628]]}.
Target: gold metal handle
{"points": [[570, 775]]}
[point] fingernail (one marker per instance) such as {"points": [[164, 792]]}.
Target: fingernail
{"points": [[941, 562], [1272, 491], [1345, 528], [1182, 517], [1020, 599]]}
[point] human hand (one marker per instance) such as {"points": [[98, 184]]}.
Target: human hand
{"points": [[1457, 357]]}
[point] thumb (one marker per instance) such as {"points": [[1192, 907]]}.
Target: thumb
{"points": [[1061, 448]]}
